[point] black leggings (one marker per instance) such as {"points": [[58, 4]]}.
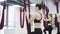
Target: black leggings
{"points": [[58, 28], [49, 29], [58, 32], [37, 31]]}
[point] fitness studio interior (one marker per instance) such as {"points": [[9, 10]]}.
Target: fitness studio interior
{"points": [[29, 16]]}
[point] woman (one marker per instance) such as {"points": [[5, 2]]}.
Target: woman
{"points": [[58, 19], [48, 26], [36, 18]]}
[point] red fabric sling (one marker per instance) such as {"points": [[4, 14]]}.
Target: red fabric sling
{"points": [[2, 19]]}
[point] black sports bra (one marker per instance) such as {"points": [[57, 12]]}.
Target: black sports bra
{"points": [[37, 21], [49, 21]]}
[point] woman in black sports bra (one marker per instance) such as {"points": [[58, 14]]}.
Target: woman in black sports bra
{"points": [[58, 20], [48, 26], [37, 19]]}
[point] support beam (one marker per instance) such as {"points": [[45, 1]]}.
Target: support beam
{"points": [[7, 16]]}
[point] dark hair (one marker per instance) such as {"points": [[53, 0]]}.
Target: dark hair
{"points": [[39, 6], [50, 15]]}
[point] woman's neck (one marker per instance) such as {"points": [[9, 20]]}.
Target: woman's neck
{"points": [[38, 11]]}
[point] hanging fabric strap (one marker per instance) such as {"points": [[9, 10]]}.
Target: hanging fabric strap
{"points": [[26, 17], [56, 3], [2, 19], [28, 25], [45, 9], [21, 17]]}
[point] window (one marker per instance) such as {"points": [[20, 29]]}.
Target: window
{"points": [[9, 18]]}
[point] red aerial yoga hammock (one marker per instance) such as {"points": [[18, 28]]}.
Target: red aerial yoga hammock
{"points": [[56, 3], [22, 15], [2, 19], [28, 25], [56, 22], [22, 20], [45, 8]]}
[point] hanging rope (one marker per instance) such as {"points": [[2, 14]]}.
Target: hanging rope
{"points": [[2, 19]]}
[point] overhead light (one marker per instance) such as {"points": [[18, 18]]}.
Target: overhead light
{"points": [[32, 4], [2, 0], [16, 6]]}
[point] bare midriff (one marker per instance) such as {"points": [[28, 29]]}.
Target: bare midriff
{"points": [[37, 25]]}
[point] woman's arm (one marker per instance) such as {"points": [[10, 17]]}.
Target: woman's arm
{"points": [[58, 18], [30, 19], [48, 19]]}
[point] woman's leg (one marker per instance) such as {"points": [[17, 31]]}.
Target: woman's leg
{"points": [[50, 29], [32, 33], [45, 31], [58, 30]]}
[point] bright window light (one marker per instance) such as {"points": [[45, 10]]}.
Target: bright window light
{"points": [[33, 4], [2, 0], [16, 6]]}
